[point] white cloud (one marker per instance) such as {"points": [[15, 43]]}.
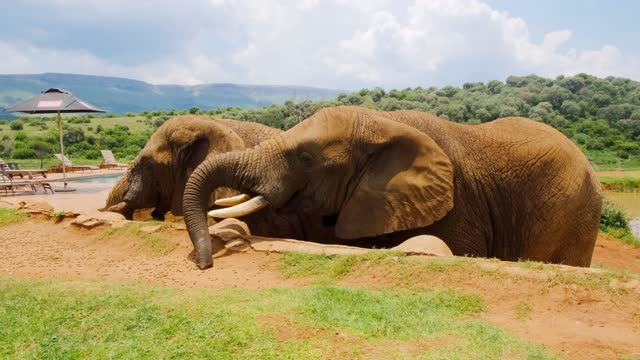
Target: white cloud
{"points": [[24, 59], [333, 43]]}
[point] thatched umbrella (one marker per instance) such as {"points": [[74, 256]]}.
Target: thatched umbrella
{"points": [[55, 101]]}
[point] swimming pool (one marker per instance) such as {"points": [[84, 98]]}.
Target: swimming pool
{"points": [[98, 179]]}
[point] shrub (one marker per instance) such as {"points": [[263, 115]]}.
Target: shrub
{"points": [[16, 125], [24, 153], [613, 216], [614, 221]]}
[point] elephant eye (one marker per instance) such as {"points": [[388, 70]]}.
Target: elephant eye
{"points": [[306, 159]]}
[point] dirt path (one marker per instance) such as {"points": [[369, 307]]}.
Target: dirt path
{"points": [[579, 323]]}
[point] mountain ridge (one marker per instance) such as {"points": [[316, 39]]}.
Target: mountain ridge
{"points": [[121, 95]]}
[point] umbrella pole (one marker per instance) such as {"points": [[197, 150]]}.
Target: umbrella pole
{"points": [[64, 174]]}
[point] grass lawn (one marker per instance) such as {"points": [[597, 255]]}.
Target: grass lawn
{"points": [[624, 181], [135, 124], [94, 319]]}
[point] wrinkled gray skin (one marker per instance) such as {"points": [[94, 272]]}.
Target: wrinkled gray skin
{"points": [[159, 173], [512, 188]]}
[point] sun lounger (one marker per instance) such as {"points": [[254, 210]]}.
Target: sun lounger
{"points": [[15, 170], [110, 160], [73, 167], [7, 184]]}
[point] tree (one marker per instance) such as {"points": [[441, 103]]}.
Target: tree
{"points": [[377, 94], [542, 112], [556, 95], [495, 86], [571, 109], [41, 148]]}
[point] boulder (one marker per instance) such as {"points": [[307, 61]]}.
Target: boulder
{"points": [[35, 207], [424, 245], [96, 218], [230, 229]]}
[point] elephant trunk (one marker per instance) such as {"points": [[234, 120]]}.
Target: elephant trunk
{"points": [[232, 170], [122, 198]]}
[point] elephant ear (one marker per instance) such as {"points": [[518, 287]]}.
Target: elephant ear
{"points": [[208, 138], [189, 158], [407, 183]]}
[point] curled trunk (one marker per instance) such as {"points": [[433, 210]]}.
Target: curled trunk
{"points": [[230, 170]]}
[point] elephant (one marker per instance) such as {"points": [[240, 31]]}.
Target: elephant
{"points": [[158, 175], [511, 189]]}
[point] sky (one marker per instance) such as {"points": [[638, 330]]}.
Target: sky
{"points": [[339, 44]]}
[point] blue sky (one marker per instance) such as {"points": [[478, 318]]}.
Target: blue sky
{"points": [[346, 44]]}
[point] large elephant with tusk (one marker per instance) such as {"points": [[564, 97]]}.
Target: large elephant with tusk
{"points": [[159, 173], [511, 189]]}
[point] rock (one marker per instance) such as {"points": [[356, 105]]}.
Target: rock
{"points": [[230, 229], [151, 228], [238, 245], [265, 244], [87, 222], [96, 218], [424, 245], [35, 207], [107, 216]]}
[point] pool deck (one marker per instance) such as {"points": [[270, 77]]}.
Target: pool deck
{"points": [[86, 197]]}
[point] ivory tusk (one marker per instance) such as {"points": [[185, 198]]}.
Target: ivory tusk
{"points": [[242, 209], [234, 200], [119, 207]]}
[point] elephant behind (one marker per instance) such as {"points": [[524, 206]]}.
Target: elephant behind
{"points": [[159, 173], [511, 189]]}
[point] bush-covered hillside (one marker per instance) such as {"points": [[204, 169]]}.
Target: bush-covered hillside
{"points": [[601, 115]]}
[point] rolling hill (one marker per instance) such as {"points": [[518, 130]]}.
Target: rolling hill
{"points": [[119, 95]]}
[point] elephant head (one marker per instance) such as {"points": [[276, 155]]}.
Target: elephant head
{"points": [[158, 175], [363, 174]]}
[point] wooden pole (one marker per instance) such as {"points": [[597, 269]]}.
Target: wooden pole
{"points": [[64, 174]]}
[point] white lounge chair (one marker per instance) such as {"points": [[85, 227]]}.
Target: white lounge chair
{"points": [[73, 167], [110, 160], [6, 184], [30, 173]]}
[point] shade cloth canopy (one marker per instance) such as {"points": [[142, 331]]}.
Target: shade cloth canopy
{"points": [[53, 100]]}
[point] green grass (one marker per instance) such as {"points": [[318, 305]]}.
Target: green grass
{"points": [[412, 273], [624, 235], [10, 216], [135, 123], [295, 264], [155, 243], [91, 319], [630, 182]]}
